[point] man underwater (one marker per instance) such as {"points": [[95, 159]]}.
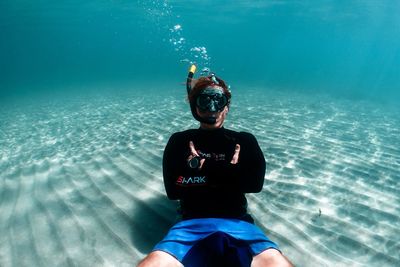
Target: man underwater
{"points": [[209, 170]]}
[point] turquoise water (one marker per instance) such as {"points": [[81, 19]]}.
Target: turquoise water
{"points": [[90, 93]]}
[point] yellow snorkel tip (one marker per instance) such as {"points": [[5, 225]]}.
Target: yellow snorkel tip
{"points": [[192, 69]]}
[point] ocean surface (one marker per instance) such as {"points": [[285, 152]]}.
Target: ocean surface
{"points": [[91, 91]]}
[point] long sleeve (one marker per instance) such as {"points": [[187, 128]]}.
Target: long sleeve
{"points": [[172, 166], [251, 165], [218, 188], [247, 176]]}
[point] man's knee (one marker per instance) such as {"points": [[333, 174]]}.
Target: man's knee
{"points": [[271, 257], [159, 259]]}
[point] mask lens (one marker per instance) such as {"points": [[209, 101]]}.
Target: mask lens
{"points": [[211, 100]]}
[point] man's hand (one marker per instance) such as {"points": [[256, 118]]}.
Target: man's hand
{"points": [[194, 154]]}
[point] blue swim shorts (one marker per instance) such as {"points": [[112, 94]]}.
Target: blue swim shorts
{"points": [[185, 234]]}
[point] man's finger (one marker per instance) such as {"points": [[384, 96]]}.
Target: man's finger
{"points": [[235, 157], [201, 163], [192, 149]]}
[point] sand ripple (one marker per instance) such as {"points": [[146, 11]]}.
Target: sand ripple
{"points": [[81, 179]]}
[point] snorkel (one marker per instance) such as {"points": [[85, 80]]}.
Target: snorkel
{"points": [[189, 79], [217, 100]]}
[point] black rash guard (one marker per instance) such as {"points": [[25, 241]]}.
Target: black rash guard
{"points": [[218, 188]]}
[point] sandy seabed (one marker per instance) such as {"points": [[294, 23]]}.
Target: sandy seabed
{"points": [[81, 178]]}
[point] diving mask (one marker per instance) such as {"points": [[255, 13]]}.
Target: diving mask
{"points": [[211, 99]]}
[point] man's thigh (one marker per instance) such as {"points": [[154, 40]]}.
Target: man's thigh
{"points": [[159, 259], [270, 257]]}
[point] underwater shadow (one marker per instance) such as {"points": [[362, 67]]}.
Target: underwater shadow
{"points": [[153, 218]]}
